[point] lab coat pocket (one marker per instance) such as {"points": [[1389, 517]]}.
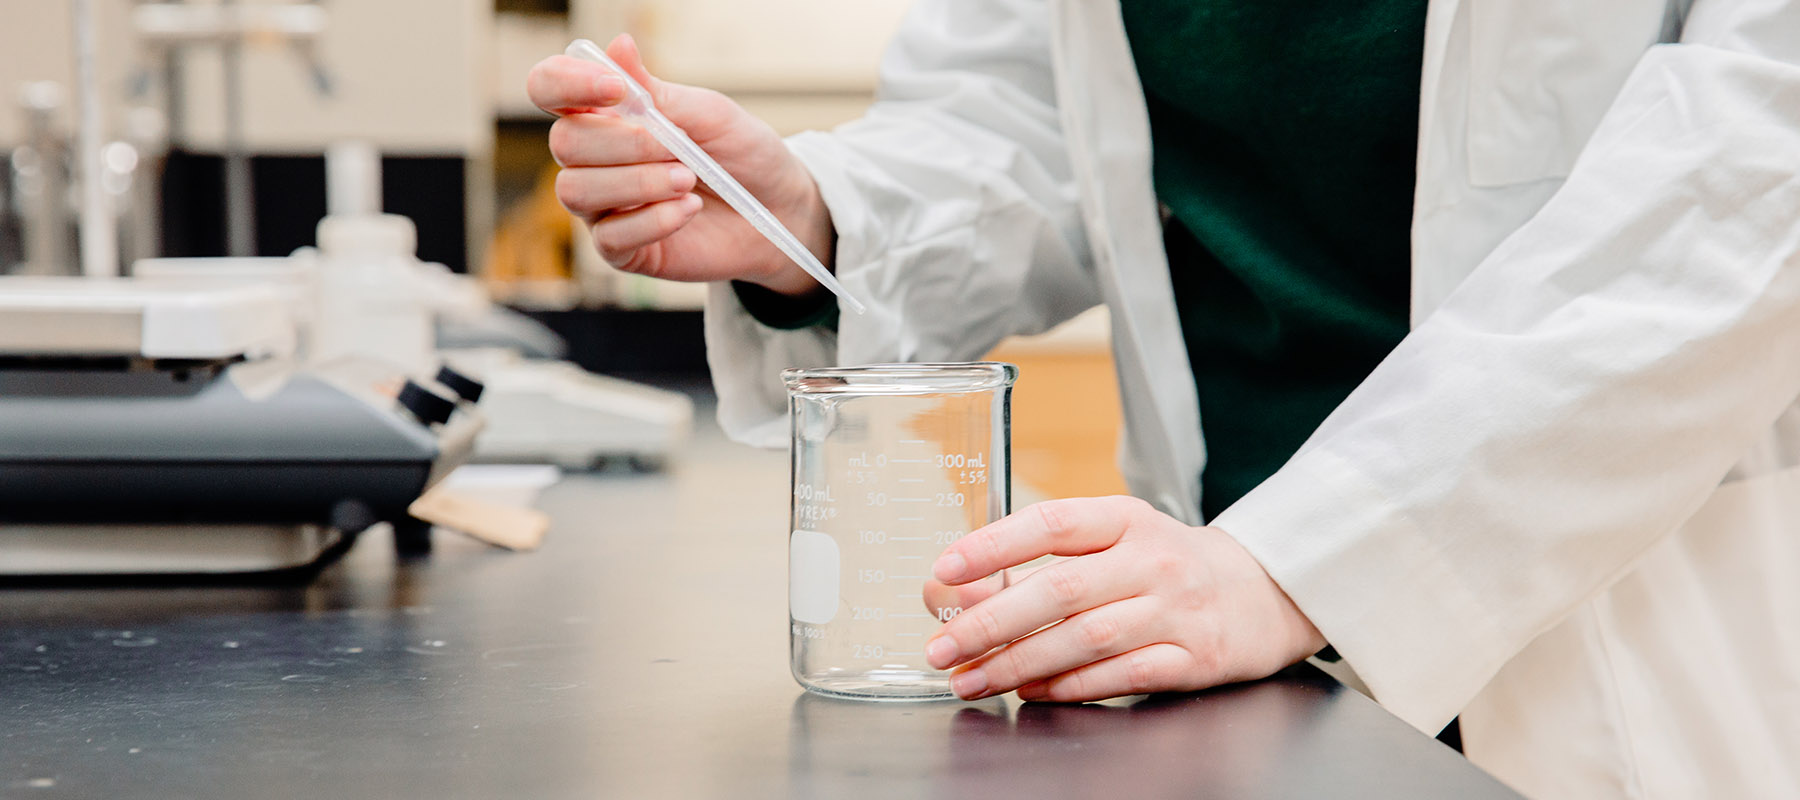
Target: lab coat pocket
{"points": [[1542, 75], [1704, 637]]}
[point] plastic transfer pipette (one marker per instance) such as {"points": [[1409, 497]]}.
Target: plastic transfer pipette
{"points": [[640, 108]]}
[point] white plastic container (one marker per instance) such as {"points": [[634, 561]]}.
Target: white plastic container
{"points": [[369, 299]]}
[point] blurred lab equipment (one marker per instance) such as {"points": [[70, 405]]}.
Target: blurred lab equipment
{"points": [[243, 414], [162, 426], [891, 462], [39, 177], [363, 293], [167, 424], [108, 187], [99, 231], [165, 30], [552, 411]]}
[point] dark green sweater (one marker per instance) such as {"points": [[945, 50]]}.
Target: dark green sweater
{"points": [[1284, 137]]}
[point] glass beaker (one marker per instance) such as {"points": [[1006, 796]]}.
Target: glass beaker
{"points": [[891, 462]]}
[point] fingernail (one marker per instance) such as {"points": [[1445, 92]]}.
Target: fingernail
{"points": [[969, 685], [949, 567], [691, 202], [681, 178], [609, 85], [941, 652]]}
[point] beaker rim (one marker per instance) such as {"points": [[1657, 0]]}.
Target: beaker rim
{"points": [[902, 378]]}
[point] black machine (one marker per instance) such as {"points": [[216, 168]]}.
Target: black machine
{"points": [[119, 458]]}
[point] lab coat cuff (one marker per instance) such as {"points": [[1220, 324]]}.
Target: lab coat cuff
{"points": [[858, 236], [1374, 583], [746, 359]]}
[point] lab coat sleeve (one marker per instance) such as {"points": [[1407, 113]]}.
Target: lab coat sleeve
{"points": [[955, 207], [1576, 398]]}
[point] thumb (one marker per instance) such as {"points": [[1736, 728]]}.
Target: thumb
{"points": [[704, 115], [624, 50]]}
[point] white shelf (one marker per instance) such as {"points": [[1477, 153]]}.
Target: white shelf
{"points": [[48, 316]]}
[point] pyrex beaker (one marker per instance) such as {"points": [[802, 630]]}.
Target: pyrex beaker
{"points": [[891, 462]]}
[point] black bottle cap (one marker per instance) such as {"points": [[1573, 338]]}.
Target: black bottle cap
{"points": [[464, 386], [429, 407]]}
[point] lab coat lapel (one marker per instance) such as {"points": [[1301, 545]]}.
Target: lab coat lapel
{"points": [[1107, 128]]}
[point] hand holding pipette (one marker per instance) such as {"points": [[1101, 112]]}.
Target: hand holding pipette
{"points": [[652, 214]]}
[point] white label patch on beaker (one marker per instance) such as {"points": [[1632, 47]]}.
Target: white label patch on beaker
{"points": [[812, 577]]}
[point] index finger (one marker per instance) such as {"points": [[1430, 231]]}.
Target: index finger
{"points": [[563, 85], [1055, 527]]}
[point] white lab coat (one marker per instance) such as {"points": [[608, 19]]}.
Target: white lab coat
{"points": [[1567, 505]]}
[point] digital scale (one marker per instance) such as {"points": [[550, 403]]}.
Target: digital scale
{"points": [[162, 427]]}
